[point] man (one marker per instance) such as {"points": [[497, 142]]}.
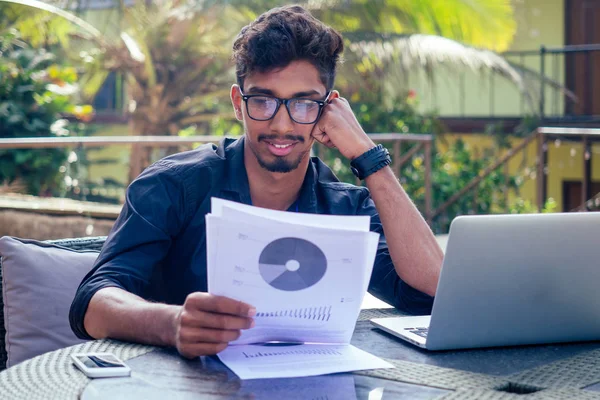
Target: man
{"points": [[149, 282]]}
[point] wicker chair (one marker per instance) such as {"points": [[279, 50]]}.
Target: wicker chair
{"points": [[92, 243]]}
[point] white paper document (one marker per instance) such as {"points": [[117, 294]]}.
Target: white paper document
{"points": [[256, 361], [306, 274]]}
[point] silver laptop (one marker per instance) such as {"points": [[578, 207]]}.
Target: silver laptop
{"points": [[512, 280]]}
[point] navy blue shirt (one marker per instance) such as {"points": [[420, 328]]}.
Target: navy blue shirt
{"points": [[157, 247]]}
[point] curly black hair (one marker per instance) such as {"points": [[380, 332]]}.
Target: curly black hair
{"points": [[286, 34]]}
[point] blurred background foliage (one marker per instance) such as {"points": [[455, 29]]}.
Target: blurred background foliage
{"points": [[174, 58], [35, 96]]}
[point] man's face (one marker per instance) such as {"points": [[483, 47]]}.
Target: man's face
{"points": [[279, 144]]}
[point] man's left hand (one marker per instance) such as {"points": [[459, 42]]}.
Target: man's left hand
{"points": [[339, 128]]}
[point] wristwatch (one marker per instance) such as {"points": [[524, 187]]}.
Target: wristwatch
{"points": [[370, 162]]}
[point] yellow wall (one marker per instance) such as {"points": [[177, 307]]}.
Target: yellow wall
{"points": [[106, 20], [564, 164], [539, 22]]}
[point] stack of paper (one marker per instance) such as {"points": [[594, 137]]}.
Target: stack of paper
{"points": [[306, 275]]}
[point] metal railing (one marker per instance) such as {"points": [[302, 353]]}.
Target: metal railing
{"points": [[573, 67], [574, 63]]}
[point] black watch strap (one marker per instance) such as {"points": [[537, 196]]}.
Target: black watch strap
{"points": [[370, 162]]}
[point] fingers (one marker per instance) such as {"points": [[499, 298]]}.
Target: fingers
{"points": [[207, 323], [218, 304], [329, 143], [193, 350], [206, 335], [319, 134], [324, 139], [203, 319], [320, 137]]}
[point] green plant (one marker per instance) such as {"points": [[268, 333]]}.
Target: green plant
{"points": [[454, 169], [34, 92], [174, 55], [523, 206]]}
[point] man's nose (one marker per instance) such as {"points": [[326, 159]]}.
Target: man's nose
{"points": [[281, 122]]}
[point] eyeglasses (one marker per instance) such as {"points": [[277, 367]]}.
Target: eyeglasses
{"points": [[261, 107]]}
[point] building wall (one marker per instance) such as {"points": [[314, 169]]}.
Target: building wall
{"points": [[106, 19], [539, 22]]}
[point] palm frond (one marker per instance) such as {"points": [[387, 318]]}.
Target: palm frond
{"points": [[481, 23], [534, 80], [134, 49], [39, 5], [429, 52]]}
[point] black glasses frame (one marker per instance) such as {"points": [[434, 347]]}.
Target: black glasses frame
{"points": [[286, 102]]}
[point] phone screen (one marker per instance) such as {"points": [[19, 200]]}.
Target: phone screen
{"points": [[105, 361]]}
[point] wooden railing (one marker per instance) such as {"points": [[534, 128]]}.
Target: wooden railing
{"points": [[473, 184], [542, 135], [420, 143]]}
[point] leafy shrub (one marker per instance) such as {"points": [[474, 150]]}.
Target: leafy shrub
{"points": [[34, 93]]}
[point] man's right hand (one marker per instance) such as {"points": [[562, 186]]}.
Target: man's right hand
{"points": [[206, 324]]}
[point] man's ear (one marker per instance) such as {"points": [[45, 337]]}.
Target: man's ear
{"points": [[334, 95], [236, 101]]}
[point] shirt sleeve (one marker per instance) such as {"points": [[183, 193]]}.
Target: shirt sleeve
{"points": [[152, 215], [385, 284]]}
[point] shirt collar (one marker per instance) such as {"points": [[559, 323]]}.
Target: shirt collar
{"points": [[236, 178]]}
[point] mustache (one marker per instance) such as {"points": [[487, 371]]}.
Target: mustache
{"points": [[296, 138]]}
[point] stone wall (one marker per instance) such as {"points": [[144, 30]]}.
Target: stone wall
{"points": [[30, 225]]}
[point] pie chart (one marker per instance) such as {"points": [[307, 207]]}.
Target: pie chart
{"points": [[292, 264]]}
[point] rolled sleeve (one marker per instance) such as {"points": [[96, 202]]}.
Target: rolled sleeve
{"points": [[152, 215], [385, 284]]}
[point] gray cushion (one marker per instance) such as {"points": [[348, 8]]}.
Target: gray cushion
{"points": [[39, 281]]}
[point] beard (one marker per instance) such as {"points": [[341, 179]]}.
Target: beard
{"points": [[280, 164]]}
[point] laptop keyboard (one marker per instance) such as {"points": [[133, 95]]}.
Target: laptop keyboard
{"points": [[418, 331]]}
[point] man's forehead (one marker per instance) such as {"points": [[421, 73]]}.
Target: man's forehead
{"points": [[299, 77]]}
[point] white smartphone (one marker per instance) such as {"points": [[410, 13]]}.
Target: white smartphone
{"points": [[100, 365]]}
